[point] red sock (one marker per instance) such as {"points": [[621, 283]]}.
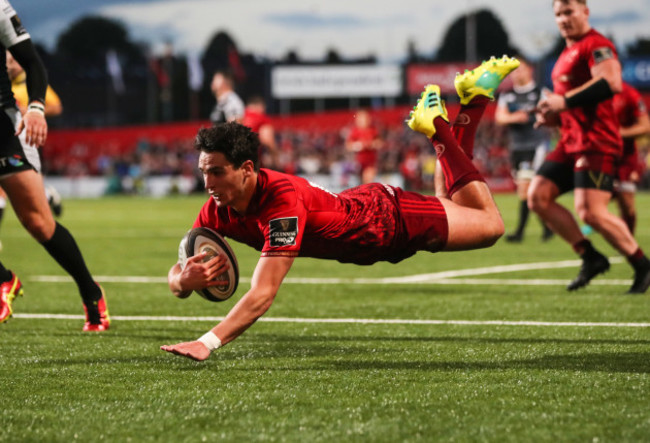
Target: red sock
{"points": [[636, 257], [457, 167], [466, 123]]}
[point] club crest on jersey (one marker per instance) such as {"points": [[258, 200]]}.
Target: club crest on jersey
{"points": [[602, 54], [283, 231]]}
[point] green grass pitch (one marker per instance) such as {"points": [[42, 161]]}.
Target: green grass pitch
{"points": [[495, 361]]}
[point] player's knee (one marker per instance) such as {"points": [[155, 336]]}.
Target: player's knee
{"points": [[497, 231], [493, 231], [589, 217], [538, 202], [39, 227]]}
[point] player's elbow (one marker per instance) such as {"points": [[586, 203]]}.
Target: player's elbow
{"points": [[615, 83]]}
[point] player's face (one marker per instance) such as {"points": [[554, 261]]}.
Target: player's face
{"points": [[572, 19], [217, 83], [522, 75], [226, 184]]}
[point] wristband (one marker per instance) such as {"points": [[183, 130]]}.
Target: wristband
{"points": [[37, 107], [210, 340], [593, 94]]}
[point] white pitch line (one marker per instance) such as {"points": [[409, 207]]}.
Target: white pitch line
{"points": [[351, 321], [442, 277]]}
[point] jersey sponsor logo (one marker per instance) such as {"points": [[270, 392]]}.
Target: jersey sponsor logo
{"points": [[283, 231], [602, 54], [15, 161], [18, 26]]}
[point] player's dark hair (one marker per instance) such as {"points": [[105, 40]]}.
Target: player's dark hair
{"points": [[235, 141]]}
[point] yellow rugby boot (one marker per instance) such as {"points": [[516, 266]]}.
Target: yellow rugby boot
{"points": [[484, 79], [428, 107]]}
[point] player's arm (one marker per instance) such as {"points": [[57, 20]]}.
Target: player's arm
{"points": [[33, 121], [605, 82], [503, 116], [640, 127], [267, 278]]}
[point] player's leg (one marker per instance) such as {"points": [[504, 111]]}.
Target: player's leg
{"points": [[26, 193], [473, 218], [592, 196], [627, 208], [553, 179], [521, 162], [368, 174], [476, 88], [3, 205]]}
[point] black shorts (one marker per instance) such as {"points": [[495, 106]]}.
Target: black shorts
{"points": [[590, 170], [15, 155]]}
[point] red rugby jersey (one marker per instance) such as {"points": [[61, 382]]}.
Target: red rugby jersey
{"points": [[587, 128], [629, 107], [255, 120], [289, 216]]}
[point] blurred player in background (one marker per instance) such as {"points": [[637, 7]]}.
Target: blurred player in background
{"points": [[633, 117], [255, 117], [528, 145], [585, 78], [285, 216], [21, 180], [229, 107], [365, 142]]}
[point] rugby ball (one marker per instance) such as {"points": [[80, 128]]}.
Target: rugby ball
{"points": [[206, 240]]}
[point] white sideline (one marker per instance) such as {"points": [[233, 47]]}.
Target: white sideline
{"points": [[444, 277], [348, 321]]}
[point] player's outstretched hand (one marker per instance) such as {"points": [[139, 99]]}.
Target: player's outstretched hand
{"points": [[191, 349]]}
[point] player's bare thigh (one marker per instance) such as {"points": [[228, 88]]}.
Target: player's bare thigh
{"points": [[27, 195]]}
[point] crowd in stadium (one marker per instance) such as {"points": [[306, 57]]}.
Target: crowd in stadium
{"points": [[302, 152]]}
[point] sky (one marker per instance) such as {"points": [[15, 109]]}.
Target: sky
{"points": [[354, 28]]}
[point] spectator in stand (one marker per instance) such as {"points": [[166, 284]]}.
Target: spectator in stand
{"points": [[365, 142], [255, 117], [633, 117], [528, 144], [229, 106]]}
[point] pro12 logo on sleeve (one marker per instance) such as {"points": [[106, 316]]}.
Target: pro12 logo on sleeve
{"points": [[602, 54], [283, 231]]}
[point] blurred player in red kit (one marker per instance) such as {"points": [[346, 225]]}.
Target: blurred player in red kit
{"points": [[285, 216], [365, 142], [585, 78], [255, 117], [633, 117]]}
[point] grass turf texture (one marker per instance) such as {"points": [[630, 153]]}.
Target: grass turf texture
{"points": [[289, 381]]}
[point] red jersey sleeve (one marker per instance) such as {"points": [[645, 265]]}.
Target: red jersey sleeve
{"points": [[282, 220]]}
